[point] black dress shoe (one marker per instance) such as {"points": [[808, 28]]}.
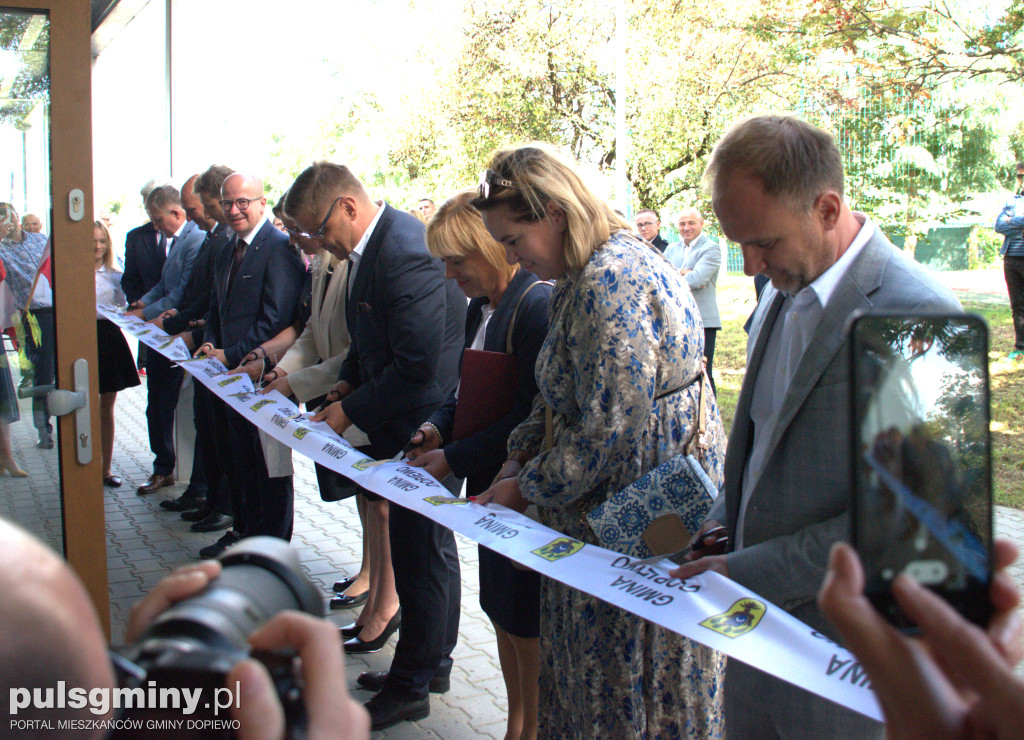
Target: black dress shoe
{"points": [[341, 586], [112, 481], [184, 502], [341, 601], [358, 645], [374, 681], [211, 551], [388, 709], [213, 522], [197, 515]]}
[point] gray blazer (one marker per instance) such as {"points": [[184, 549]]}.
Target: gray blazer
{"points": [[704, 257], [799, 504], [177, 269]]}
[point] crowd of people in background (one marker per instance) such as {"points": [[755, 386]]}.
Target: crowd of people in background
{"points": [[370, 315]]}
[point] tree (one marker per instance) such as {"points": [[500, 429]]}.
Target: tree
{"points": [[934, 42]]}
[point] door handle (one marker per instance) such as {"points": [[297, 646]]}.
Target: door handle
{"points": [[62, 402]]}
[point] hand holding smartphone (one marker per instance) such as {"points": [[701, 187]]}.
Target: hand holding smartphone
{"points": [[922, 498]]}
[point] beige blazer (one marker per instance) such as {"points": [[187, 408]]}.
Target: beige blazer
{"points": [[313, 362]]}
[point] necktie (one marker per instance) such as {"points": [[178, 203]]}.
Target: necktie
{"points": [[239, 253]]}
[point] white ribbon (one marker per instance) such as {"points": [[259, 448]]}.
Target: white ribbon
{"points": [[708, 608]]}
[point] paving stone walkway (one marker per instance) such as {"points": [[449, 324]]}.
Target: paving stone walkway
{"points": [[145, 542]]}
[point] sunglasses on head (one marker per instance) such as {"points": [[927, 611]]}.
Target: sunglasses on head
{"points": [[490, 179]]}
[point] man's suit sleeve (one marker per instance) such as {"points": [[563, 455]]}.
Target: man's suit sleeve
{"points": [[707, 265], [173, 293], [414, 298], [282, 285], [131, 279], [788, 570], [211, 331]]}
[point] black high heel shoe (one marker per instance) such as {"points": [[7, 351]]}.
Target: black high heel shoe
{"points": [[358, 645], [351, 630]]}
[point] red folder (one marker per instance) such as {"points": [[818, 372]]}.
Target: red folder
{"points": [[487, 389]]}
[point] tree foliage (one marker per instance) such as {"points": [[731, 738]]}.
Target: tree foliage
{"points": [[915, 90]]}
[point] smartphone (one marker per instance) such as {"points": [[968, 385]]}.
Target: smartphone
{"points": [[922, 493]]}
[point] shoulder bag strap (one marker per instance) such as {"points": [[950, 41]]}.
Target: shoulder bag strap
{"points": [[515, 312]]}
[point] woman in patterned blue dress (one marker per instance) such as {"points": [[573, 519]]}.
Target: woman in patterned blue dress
{"points": [[618, 369]]}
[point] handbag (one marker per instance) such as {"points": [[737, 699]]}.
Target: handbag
{"points": [[488, 383], [659, 512]]}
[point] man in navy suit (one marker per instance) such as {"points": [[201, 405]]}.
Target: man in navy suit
{"points": [[204, 488], [257, 281], [144, 254], [407, 325], [183, 239]]}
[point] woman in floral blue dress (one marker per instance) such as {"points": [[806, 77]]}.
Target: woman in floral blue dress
{"points": [[620, 370]]}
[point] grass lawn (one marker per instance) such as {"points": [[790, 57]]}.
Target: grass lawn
{"points": [[736, 301]]}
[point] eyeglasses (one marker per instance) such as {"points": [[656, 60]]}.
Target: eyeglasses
{"points": [[242, 203], [489, 179], [644, 224], [319, 233]]}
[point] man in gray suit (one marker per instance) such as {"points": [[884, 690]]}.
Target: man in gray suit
{"points": [[183, 239], [777, 188], [698, 257]]}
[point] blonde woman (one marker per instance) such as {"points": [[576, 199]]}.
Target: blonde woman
{"points": [[504, 300], [621, 370], [116, 364]]}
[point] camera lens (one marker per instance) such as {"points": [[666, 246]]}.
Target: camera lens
{"points": [[261, 576]]}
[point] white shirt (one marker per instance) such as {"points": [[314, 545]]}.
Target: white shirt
{"points": [[357, 253], [790, 335], [170, 239], [486, 312], [108, 288]]}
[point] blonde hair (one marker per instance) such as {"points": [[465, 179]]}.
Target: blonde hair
{"points": [[417, 215], [457, 230], [541, 175], [108, 256]]}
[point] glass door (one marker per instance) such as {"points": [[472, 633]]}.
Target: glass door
{"points": [[49, 465]]}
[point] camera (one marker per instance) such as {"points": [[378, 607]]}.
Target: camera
{"points": [[173, 679]]}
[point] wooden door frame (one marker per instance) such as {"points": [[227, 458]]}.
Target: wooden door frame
{"points": [[73, 279]]}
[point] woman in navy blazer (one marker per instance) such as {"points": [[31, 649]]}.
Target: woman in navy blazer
{"points": [[498, 291]]}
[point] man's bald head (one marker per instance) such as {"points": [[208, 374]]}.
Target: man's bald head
{"points": [[690, 224], [49, 630], [193, 205]]}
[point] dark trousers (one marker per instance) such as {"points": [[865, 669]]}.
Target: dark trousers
{"points": [[199, 481], [209, 409], [41, 354], [1013, 271], [261, 505], [429, 587], [163, 384], [709, 352]]}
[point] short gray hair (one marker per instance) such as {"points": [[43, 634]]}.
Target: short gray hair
{"points": [[165, 196], [794, 161], [149, 187]]}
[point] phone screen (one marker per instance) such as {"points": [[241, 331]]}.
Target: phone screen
{"points": [[921, 458]]}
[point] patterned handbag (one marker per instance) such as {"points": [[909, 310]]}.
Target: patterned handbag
{"points": [[659, 512]]}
